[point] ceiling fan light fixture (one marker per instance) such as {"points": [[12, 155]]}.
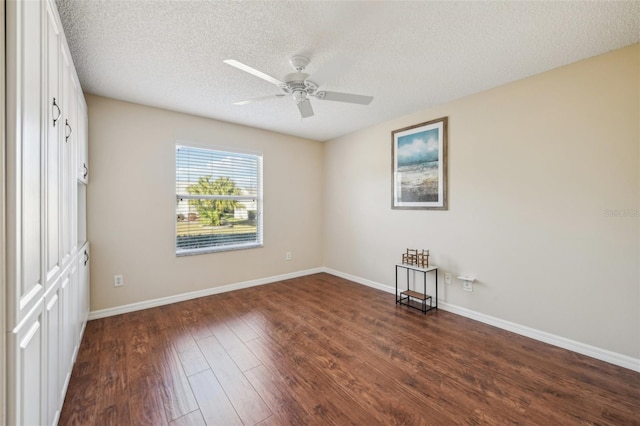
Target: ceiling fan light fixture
{"points": [[299, 96]]}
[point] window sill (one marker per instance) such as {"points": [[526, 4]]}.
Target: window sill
{"points": [[206, 250]]}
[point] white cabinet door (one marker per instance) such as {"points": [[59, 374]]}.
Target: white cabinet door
{"points": [[68, 330], [81, 194], [74, 299], [25, 369], [66, 344], [24, 150], [53, 125], [53, 331], [83, 171], [83, 140], [73, 157], [83, 295], [68, 185]]}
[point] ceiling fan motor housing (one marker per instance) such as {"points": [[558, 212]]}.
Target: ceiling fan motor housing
{"points": [[295, 79], [298, 86], [299, 62]]}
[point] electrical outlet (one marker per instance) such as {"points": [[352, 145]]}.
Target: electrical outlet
{"points": [[467, 282], [447, 278], [118, 281], [288, 256]]}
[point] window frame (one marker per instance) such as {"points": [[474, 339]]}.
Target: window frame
{"points": [[258, 199]]}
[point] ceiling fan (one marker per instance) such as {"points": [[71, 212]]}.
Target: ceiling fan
{"points": [[297, 86]]}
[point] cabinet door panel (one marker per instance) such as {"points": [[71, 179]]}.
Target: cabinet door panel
{"points": [[67, 105], [53, 125], [83, 140], [27, 358], [74, 299], [73, 157], [83, 266], [24, 157], [65, 336], [31, 147], [53, 333]]}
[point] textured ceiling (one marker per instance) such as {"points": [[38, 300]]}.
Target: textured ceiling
{"points": [[408, 55]]}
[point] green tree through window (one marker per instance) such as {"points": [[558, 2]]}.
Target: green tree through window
{"points": [[213, 212]]}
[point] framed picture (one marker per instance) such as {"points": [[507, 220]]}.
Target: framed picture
{"points": [[419, 166]]}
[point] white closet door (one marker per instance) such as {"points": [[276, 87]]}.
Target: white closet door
{"points": [[25, 141], [66, 329], [68, 105], [83, 140], [53, 331], [84, 258], [26, 371], [53, 125]]}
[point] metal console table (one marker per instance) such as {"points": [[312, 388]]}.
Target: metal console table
{"points": [[407, 296]]}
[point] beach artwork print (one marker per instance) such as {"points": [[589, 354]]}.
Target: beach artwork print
{"points": [[419, 156]]}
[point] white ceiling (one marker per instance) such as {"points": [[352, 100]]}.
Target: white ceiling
{"points": [[408, 55]]}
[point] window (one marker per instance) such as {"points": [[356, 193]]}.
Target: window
{"points": [[218, 200]]}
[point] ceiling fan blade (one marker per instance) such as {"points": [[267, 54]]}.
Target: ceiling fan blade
{"points": [[305, 109], [253, 71], [344, 97], [261, 98]]}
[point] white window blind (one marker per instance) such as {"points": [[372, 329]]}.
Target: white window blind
{"points": [[218, 200]]}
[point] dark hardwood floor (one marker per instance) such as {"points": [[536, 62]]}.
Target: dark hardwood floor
{"points": [[323, 350]]}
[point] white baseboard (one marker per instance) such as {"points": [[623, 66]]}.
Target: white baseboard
{"points": [[102, 313], [359, 280], [552, 339]]}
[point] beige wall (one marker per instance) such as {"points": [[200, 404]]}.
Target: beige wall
{"points": [[533, 166], [131, 204]]}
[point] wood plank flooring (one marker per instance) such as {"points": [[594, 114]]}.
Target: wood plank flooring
{"points": [[321, 350]]}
